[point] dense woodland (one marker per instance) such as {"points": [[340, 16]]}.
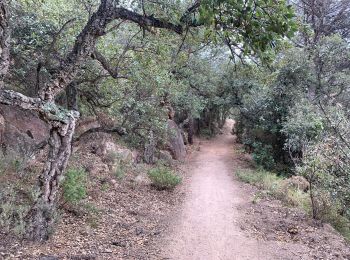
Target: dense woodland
{"points": [[280, 69]]}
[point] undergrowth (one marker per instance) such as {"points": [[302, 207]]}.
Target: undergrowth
{"points": [[74, 186], [277, 187], [163, 178], [17, 193]]}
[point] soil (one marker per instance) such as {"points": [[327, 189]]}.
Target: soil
{"points": [[120, 219], [218, 219], [210, 216]]}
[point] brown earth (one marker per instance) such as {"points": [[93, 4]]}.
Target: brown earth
{"points": [[120, 218], [219, 221], [211, 216]]}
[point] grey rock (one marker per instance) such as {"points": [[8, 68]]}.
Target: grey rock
{"points": [[176, 142]]}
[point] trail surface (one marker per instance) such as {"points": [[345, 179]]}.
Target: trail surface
{"points": [[207, 227]]}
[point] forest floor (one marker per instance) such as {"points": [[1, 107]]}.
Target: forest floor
{"points": [[218, 219], [210, 216]]}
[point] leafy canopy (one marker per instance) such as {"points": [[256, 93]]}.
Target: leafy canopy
{"points": [[251, 27]]}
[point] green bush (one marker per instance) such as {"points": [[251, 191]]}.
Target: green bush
{"points": [[163, 178], [74, 185], [12, 161], [276, 187], [260, 178], [263, 155], [273, 185], [13, 210]]}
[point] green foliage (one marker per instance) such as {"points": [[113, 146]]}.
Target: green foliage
{"points": [[301, 115], [303, 125], [74, 186], [262, 155], [293, 112], [163, 178], [256, 25], [275, 186], [15, 201], [13, 161], [326, 165]]}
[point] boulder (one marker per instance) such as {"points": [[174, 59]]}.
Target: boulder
{"points": [[165, 156], [104, 146], [120, 153], [175, 141], [21, 130]]}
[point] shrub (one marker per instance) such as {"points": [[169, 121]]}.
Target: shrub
{"points": [[303, 125], [276, 187], [13, 211], [74, 185], [163, 178], [120, 170], [263, 155], [12, 162]]}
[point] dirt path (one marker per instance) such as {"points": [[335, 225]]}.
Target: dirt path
{"points": [[207, 227]]}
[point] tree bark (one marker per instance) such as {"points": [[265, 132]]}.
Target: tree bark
{"points": [[150, 149], [85, 43], [4, 42], [72, 96], [41, 217], [190, 129]]}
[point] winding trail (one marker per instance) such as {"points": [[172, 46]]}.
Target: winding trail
{"points": [[207, 226]]}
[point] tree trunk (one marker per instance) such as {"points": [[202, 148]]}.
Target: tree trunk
{"points": [[4, 42], [150, 149], [72, 96], [190, 129], [41, 218]]}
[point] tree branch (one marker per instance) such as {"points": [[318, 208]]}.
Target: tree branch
{"points": [[146, 21], [9, 97], [119, 130], [86, 41], [4, 42]]}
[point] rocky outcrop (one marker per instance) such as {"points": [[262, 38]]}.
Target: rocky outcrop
{"points": [[21, 131], [165, 156], [105, 146], [175, 141]]}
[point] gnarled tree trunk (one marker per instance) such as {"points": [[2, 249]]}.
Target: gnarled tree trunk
{"points": [[41, 217], [72, 96], [190, 129], [4, 42], [62, 122], [150, 149]]}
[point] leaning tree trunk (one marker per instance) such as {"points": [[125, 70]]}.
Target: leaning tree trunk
{"points": [[41, 217], [190, 129], [62, 122]]}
